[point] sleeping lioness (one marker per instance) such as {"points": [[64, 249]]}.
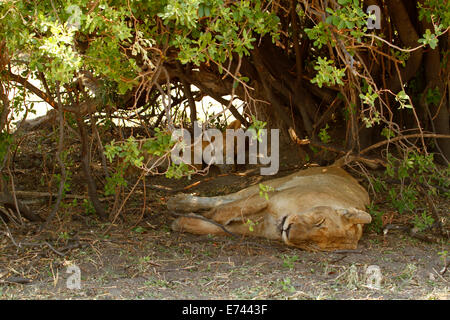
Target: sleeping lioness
{"points": [[320, 208]]}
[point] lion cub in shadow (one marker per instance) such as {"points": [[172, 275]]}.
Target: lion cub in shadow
{"points": [[158, 165]]}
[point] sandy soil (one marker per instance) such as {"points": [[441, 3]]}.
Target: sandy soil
{"points": [[139, 257]]}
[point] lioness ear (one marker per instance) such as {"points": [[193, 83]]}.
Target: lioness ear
{"points": [[356, 216], [235, 125]]}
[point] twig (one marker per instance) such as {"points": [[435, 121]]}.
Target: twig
{"points": [[348, 251], [59, 157], [101, 150], [53, 249], [416, 135], [396, 47], [411, 232], [444, 269], [407, 181], [338, 259], [8, 232], [18, 280], [16, 204], [36, 194]]}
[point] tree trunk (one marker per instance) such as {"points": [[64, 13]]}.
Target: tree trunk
{"points": [[85, 164]]}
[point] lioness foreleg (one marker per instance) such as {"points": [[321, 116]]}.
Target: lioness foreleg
{"points": [[237, 210], [223, 215], [189, 203]]}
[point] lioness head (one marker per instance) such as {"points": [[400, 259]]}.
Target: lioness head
{"points": [[324, 228]]}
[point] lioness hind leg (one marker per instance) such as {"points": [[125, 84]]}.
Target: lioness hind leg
{"points": [[196, 226]]}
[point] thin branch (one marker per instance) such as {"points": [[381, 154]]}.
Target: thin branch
{"points": [[59, 157], [188, 93], [417, 135]]}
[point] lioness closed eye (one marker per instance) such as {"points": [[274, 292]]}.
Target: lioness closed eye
{"points": [[314, 209]]}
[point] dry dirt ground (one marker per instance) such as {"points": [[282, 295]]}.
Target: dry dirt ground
{"points": [[139, 257]]}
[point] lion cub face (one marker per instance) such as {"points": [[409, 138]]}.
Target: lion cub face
{"points": [[324, 228]]}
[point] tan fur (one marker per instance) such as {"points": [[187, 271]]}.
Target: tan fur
{"points": [[319, 208], [156, 164]]}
